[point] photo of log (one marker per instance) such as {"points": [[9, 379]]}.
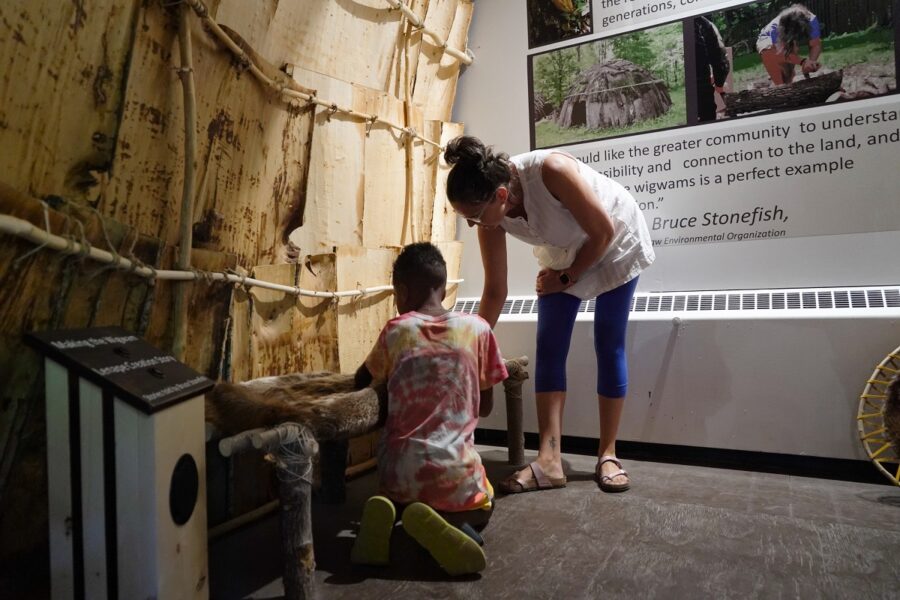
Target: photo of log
{"points": [[806, 92]]}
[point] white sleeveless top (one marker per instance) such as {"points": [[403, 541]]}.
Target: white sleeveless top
{"points": [[557, 236]]}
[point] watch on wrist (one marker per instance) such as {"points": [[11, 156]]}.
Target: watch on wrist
{"points": [[565, 278]]}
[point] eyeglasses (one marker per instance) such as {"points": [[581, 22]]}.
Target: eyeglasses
{"points": [[476, 219]]}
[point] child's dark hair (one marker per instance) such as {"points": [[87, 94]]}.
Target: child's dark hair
{"points": [[794, 27], [477, 171], [420, 265]]}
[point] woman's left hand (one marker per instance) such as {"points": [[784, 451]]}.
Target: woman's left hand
{"points": [[548, 282]]}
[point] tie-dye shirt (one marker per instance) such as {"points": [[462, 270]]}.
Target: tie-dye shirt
{"points": [[435, 368]]}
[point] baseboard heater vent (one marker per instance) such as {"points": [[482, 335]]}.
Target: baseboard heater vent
{"points": [[725, 300]]}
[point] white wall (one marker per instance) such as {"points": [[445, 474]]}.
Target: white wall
{"points": [[772, 383]]}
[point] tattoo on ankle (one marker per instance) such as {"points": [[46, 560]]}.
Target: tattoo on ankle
{"points": [[552, 443]]}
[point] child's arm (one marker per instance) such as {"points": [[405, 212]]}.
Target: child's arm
{"points": [[377, 363], [486, 403], [491, 368], [362, 378]]}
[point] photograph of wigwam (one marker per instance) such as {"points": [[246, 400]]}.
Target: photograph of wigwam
{"points": [[627, 84]]}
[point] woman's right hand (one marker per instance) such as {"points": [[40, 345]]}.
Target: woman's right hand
{"points": [[548, 282]]}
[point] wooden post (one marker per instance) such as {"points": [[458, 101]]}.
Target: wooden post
{"points": [[185, 238], [238, 443], [512, 386], [294, 447]]}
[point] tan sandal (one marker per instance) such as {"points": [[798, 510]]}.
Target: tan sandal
{"points": [[539, 481], [605, 481]]}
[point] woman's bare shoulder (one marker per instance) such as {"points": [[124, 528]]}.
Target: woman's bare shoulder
{"points": [[557, 165]]}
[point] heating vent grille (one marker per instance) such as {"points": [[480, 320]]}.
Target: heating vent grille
{"points": [[717, 301]]}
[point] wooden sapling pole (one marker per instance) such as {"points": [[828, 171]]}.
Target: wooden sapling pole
{"points": [[185, 241], [294, 447], [237, 443], [512, 387]]}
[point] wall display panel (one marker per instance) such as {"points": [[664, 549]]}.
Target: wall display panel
{"points": [[753, 60], [786, 176]]}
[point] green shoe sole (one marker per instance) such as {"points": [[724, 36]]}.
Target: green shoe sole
{"points": [[457, 553], [373, 543]]}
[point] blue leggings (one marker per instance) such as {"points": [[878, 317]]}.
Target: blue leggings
{"points": [[556, 319]]}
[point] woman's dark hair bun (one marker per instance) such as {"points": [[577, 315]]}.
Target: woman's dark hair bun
{"points": [[477, 171], [467, 150]]}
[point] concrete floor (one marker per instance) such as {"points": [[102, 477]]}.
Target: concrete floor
{"points": [[681, 532]]}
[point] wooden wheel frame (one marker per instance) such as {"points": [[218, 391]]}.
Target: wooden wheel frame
{"points": [[870, 422]]}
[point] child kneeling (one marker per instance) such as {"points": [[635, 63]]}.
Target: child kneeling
{"points": [[440, 367]]}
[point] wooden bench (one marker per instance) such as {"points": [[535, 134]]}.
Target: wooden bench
{"points": [[295, 417]]}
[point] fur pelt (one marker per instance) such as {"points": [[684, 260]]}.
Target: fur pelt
{"points": [[325, 402], [892, 413]]}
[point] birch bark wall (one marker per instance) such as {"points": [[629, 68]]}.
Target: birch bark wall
{"points": [[91, 123]]}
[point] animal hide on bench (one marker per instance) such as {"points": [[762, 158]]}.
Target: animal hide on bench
{"points": [[325, 402]]}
